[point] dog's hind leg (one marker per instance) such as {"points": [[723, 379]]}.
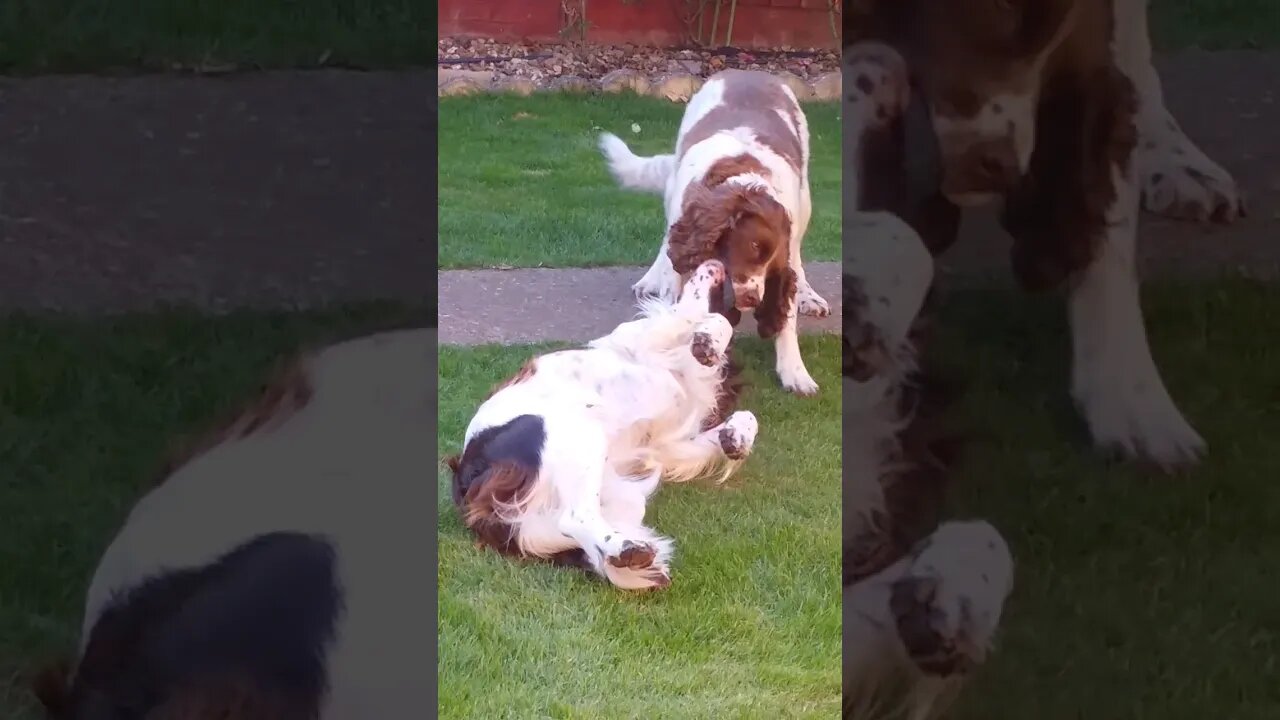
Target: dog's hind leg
{"points": [[729, 442], [575, 459]]}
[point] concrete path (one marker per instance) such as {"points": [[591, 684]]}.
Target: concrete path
{"points": [[523, 306], [300, 189], [262, 189]]}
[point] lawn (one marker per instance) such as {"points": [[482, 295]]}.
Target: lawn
{"points": [[750, 627], [522, 183], [87, 411], [1136, 596], [43, 36], [1215, 24]]}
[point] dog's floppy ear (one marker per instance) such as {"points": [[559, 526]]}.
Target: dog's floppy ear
{"points": [[692, 239], [1057, 215], [779, 296]]}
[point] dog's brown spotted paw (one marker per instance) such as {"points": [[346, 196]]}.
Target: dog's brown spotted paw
{"points": [[704, 349], [634, 556]]}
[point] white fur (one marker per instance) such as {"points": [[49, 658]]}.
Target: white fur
{"points": [[972, 569], [689, 164], [354, 466], [1176, 177], [621, 415], [1114, 379]]}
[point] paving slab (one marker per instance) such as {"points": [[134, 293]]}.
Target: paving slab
{"points": [[523, 306], [272, 189], [295, 189]]}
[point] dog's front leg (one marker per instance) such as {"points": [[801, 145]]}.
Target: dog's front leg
{"points": [[1177, 178]]}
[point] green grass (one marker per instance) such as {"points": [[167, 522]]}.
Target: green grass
{"points": [[87, 411], [1215, 24], [750, 627], [42, 36], [522, 183], [1136, 596]]}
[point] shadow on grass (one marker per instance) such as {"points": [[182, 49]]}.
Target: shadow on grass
{"points": [[1136, 596]]}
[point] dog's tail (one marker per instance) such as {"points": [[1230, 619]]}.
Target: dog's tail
{"points": [[648, 174]]}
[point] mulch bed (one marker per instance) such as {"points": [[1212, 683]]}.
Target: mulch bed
{"points": [[542, 62]]}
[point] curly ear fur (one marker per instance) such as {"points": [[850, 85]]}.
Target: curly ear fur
{"points": [[779, 297], [1057, 216], [708, 215]]}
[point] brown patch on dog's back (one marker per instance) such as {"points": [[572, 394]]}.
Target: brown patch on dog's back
{"points": [[231, 698], [752, 99], [725, 168], [280, 399], [525, 372], [51, 686]]}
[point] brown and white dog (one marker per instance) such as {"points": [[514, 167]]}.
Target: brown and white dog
{"points": [[922, 597], [272, 571], [1031, 103], [559, 462], [736, 189]]}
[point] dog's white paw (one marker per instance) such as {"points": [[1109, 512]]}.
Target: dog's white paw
{"points": [[639, 566], [947, 606], [1179, 181], [738, 434], [1132, 414], [663, 284], [797, 380], [878, 81], [711, 338], [810, 304]]}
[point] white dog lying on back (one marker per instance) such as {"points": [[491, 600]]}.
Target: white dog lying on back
{"points": [[559, 462]]}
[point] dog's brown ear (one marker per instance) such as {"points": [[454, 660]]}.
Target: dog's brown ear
{"points": [[692, 239], [51, 686], [779, 296], [1057, 215]]}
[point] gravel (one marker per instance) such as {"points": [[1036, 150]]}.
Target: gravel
{"points": [[542, 62]]}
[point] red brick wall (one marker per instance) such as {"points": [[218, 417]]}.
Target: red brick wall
{"points": [[757, 23]]}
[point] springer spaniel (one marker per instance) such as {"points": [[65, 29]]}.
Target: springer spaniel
{"points": [[1027, 102], [560, 461], [737, 189], [922, 600], [271, 573]]}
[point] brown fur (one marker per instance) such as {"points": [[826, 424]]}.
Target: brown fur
{"points": [[927, 459], [1057, 216], [725, 168], [963, 51], [285, 395], [525, 372], [51, 686], [779, 299], [501, 483], [742, 226], [751, 99], [731, 386], [226, 699]]}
